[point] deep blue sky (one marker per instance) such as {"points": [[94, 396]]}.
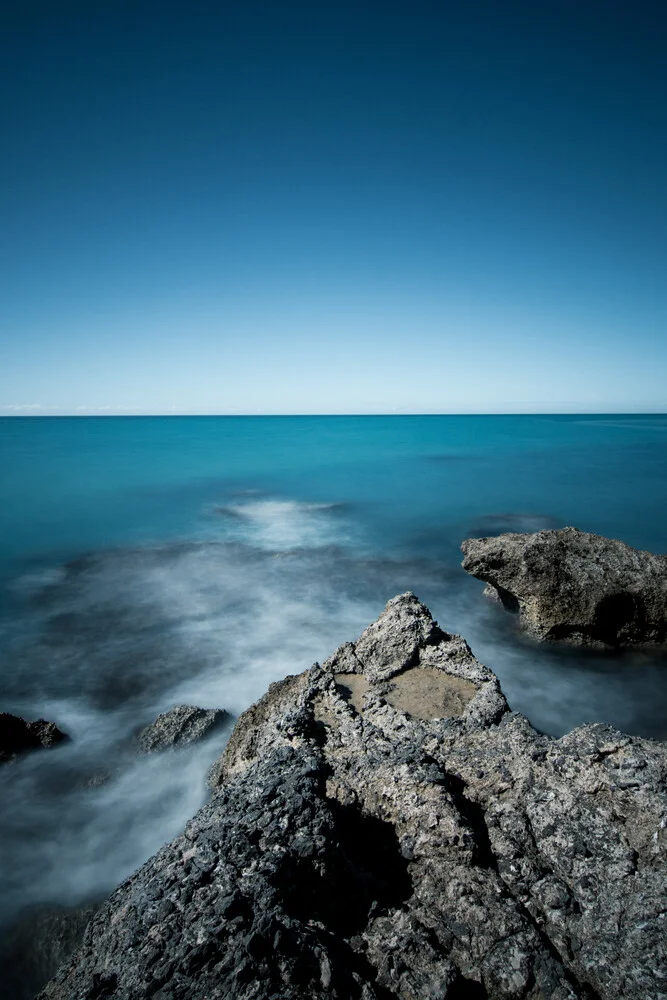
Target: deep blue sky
{"points": [[333, 206]]}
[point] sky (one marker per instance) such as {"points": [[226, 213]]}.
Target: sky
{"points": [[333, 207]]}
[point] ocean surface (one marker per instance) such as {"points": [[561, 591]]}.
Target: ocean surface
{"points": [[149, 562]]}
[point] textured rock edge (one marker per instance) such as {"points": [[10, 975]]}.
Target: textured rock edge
{"points": [[525, 866]]}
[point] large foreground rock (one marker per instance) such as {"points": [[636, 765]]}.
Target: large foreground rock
{"points": [[576, 587], [382, 826], [18, 736], [181, 726]]}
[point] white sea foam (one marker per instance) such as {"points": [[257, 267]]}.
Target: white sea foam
{"points": [[280, 525], [36, 580], [118, 637]]}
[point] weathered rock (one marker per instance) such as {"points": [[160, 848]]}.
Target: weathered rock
{"points": [[575, 587], [181, 725], [18, 736], [353, 849]]}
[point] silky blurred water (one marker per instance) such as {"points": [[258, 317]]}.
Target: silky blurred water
{"points": [[148, 562]]}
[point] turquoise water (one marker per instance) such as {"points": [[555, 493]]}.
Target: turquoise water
{"points": [[73, 484], [148, 562]]}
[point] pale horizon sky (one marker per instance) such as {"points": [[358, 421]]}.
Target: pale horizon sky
{"points": [[343, 207]]}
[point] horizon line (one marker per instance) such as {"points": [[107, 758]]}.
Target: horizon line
{"points": [[32, 415]]}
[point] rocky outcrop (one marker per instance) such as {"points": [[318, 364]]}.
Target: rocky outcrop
{"points": [[181, 725], [382, 826], [18, 736], [575, 587]]}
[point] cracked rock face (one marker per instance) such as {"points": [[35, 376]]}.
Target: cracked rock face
{"points": [[180, 726], [574, 587], [382, 826]]}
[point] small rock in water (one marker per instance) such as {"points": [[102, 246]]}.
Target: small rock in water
{"points": [[575, 587], [18, 736], [180, 726]]}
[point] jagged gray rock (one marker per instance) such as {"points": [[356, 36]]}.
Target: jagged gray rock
{"points": [[382, 826], [181, 725], [572, 586], [18, 736]]}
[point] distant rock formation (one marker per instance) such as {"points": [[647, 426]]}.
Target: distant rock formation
{"points": [[574, 587], [383, 827], [18, 736], [181, 725]]}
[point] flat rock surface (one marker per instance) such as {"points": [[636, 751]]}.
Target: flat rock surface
{"points": [[18, 736], [352, 849], [572, 586], [181, 725]]}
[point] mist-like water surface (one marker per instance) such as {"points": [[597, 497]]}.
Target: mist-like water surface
{"points": [[150, 563]]}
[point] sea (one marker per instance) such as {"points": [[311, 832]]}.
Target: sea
{"points": [[149, 562]]}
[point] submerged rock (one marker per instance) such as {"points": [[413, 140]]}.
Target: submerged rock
{"points": [[181, 725], [572, 586], [382, 826], [18, 736], [36, 946], [496, 524]]}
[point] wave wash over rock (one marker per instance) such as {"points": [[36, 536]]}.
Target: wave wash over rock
{"points": [[382, 826]]}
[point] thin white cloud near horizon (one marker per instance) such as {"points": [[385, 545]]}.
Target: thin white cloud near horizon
{"points": [[42, 410]]}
